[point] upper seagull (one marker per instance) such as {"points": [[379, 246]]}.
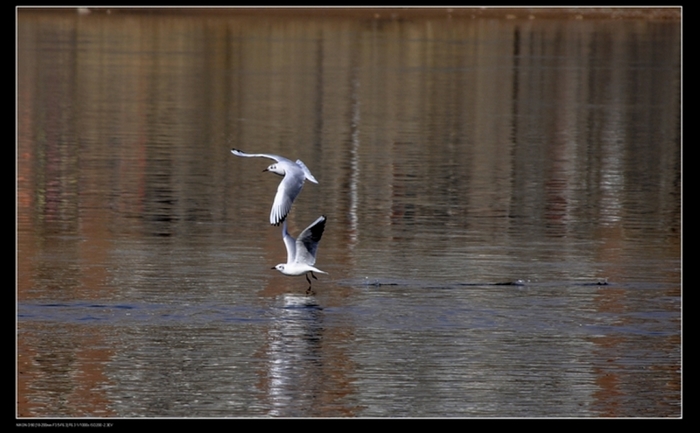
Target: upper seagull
{"points": [[294, 174], [301, 252]]}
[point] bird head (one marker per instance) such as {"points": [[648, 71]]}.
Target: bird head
{"points": [[274, 168]]}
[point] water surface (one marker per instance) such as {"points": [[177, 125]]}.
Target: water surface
{"points": [[503, 203]]}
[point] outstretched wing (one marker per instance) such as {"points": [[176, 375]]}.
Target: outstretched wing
{"points": [[287, 191], [306, 171], [289, 242], [258, 155], [307, 242]]}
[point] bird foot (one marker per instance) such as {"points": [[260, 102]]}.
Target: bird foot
{"points": [[309, 291]]}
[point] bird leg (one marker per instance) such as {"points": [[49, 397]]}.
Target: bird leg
{"points": [[309, 291], [312, 274]]}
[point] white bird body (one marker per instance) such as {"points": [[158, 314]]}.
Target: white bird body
{"points": [[301, 252], [294, 174]]}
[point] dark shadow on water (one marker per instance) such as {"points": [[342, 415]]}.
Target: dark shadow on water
{"points": [[384, 282]]}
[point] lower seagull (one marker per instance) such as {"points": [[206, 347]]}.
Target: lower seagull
{"points": [[301, 252]]}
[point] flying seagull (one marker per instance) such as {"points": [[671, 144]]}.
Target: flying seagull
{"points": [[301, 252], [294, 174]]}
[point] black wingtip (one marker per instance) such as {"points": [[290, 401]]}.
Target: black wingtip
{"points": [[279, 222]]}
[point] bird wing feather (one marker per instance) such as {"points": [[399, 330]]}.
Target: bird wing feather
{"points": [[289, 242], [287, 192], [307, 172], [307, 242], [258, 155]]}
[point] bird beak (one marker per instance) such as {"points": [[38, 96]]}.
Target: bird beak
{"points": [[265, 170], [273, 267]]}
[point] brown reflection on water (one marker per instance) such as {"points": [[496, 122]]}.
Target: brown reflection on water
{"points": [[447, 150], [66, 379]]}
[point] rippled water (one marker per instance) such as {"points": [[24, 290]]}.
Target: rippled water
{"points": [[503, 203]]}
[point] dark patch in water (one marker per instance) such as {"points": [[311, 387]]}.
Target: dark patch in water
{"points": [[426, 285], [597, 283]]}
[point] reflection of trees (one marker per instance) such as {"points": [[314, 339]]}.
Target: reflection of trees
{"points": [[426, 135]]}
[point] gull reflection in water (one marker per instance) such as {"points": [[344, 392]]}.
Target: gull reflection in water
{"points": [[294, 356]]}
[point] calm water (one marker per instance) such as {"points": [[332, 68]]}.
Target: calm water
{"points": [[503, 203]]}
